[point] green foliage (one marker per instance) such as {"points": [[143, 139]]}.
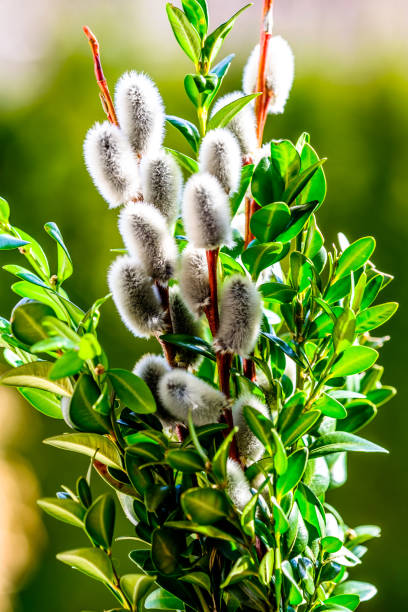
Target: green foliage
{"points": [[195, 546]]}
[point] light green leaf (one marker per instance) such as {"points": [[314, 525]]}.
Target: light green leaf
{"points": [[161, 599], [353, 360], [4, 210], [132, 391], [185, 33], [93, 562], [95, 446], [228, 112], [136, 586], [43, 401], [26, 321], [66, 510], [293, 474], [373, 317], [36, 375], [65, 268], [188, 163], [355, 256], [340, 441]]}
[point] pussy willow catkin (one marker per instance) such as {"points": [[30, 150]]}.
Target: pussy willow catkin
{"points": [[220, 155], [181, 391], [111, 164], [237, 485], [250, 447], [193, 279], [140, 111], [147, 238], [151, 368], [135, 297], [161, 184]]}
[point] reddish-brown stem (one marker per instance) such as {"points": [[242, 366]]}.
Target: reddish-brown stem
{"points": [[249, 370], [105, 96], [262, 101], [211, 311], [181, 432]]}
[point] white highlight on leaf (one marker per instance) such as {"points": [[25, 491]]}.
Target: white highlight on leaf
{"points": [[181, 391], [243, 125], [140, 112], [240, 316], [161, 184], [280, 72], [135, 297], [220, 155], [111, 164], [206, 212], [147, 238]]}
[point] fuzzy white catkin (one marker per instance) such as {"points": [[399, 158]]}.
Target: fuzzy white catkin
{"points": [[151, 368], [206, 212], [193, 279], [111, 164], [237, 485], [183, 322], [240, 316], [280, 72], [243, 125], [220, 155], [161, 184], [181, 391], [140, 112], [250, 448], [147, 238], [136, 299]]}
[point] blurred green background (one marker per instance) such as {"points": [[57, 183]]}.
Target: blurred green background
{"points": [[350, 93]]}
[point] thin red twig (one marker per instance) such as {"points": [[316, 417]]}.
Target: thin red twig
{"points": [[262, 101], [105, 96]]}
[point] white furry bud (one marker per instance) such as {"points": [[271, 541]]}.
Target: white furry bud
{"points": [[250, 448], [237, 485], [111, 164], [161, 184], [240, 316], [280, 71], [136, 299], [181, 391], [147, 238], [151, 368], [220, 155], [140, 111], [243, 125], [183, 322], [206, 212], [193, 279]]}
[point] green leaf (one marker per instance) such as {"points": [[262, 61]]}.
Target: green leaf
{"points": [[25, 274], [371, 290], [341, 441], [310, 507], [36, 252], [353, 360], [231, 266], [196, 16], [260, 256], [199, 579], [248, 516], [298, 429], [166, 549], [80, 410], [355, 256], [66, 510], [288, 350], [186, 162], [65, 268], [259, 425], [281, 522], [67, 365], [36, 375], [299, 217], [331, 544], [8, 242], [220, 70], [39, 294], [348, 601], [187, 129], [381, 396], [267, 184], [299, 182], [270, 221], [344, 330], [83, 491], [206, 530], [237, 197], [100, 520], [373, 317], [161, 599], [136, 586], [364, 590], [295, 592], [43, 401], [93, 562], [4, 210], [266, 567], [191, 343], [59, 328], [280, 459], [132, 391], [204, 505], [185, 33], [95, 446], [277, 292], [89, 347], [228, 112], [293, 474], [330, 407], [242, 568], [315, 189], [214, 41], [219, 461], [285, 159], [185, 460], [26, 320], [359, 414]]}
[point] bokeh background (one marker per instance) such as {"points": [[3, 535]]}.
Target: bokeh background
{"points": [[350, 93]]}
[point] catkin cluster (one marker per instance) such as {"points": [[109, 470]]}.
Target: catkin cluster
{"points": [[130, 168]]}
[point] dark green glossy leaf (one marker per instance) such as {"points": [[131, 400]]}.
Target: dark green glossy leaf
{"points": [[299, 217], [299, 182], [166, 548], [259, 425], [294, 472], [26, 320], [95, 446], [199, 579], [359, 413], [66, 510], [185, 460], [206, 530], [267, 184], [261, 256], [270, 221], [100, 520], [84, 492], [277, 292], [341, 441], [288, 350], [219, 461], [65, 268], [93, 562], [188, 163], [237, 197], [204, 506], [80, 410], [191, 343], [188, 129], [161, 599], [132, 391]]}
